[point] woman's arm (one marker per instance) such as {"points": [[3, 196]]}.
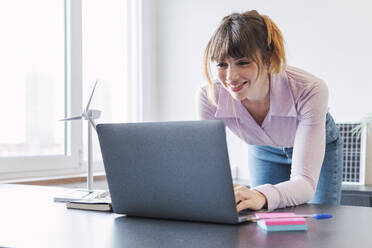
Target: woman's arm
{"points": [[308, 152]]}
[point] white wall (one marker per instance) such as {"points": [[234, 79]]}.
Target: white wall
{"points": [[329, 38]]}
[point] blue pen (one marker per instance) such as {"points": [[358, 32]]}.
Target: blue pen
{"points": [[314, 216]]}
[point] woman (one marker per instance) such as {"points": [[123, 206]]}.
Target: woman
{"points": [[281, 112]]}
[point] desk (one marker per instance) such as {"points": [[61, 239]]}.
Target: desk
{"points": [[30, 218], [357, 195]]}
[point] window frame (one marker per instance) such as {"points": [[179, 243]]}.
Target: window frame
{"points": [[72, 162]]}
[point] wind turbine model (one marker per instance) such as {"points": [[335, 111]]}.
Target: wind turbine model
{"points": [[89, 193]]}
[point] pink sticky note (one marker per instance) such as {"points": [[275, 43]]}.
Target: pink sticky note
{"points": [[275, 215], [285, 221]]}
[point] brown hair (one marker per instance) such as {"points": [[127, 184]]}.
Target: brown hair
{"points": [[248, 35]]}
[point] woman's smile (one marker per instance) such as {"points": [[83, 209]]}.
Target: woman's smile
{"points": [[237, 87]]}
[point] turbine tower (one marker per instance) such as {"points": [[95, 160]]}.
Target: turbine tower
{"points": [[89, 193]]}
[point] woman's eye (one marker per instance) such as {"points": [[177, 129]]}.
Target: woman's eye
{"points": [[221, 65], [244, 63]]}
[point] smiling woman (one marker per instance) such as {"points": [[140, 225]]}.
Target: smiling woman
{"points": [[279, 110]]}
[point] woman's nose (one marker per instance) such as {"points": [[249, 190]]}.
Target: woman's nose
{"points": [[232, 75]]}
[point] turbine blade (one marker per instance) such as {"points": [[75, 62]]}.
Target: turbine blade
{"points": [[91, 95], [78, 117]]}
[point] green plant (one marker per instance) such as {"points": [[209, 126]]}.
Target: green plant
{"points": [[365, 122]]}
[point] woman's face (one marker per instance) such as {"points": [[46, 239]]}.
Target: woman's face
{"points": [[240, 78]]}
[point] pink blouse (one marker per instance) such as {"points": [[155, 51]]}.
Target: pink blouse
{"points": [[297, 115]]}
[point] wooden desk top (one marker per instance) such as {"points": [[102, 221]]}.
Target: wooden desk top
{"points": [[30, 218]]}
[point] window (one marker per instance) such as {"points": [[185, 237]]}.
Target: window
{"points": [[108, 57], [33, 75], [52, 52]]}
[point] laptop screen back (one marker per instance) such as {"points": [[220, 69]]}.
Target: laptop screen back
{"points": [[175, 170]]}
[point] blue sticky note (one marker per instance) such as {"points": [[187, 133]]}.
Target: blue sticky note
{"points": [[279, 228]]}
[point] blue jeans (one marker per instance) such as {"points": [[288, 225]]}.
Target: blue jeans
{"points": [[272, 165]]}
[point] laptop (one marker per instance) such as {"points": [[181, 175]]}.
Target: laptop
{"points": [[171, 170]]}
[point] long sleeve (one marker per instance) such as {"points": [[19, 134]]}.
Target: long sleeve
{"points": [[205, 110], [308, 152]]}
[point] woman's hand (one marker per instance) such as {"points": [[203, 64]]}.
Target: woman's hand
{"points": [[246, 198]]}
